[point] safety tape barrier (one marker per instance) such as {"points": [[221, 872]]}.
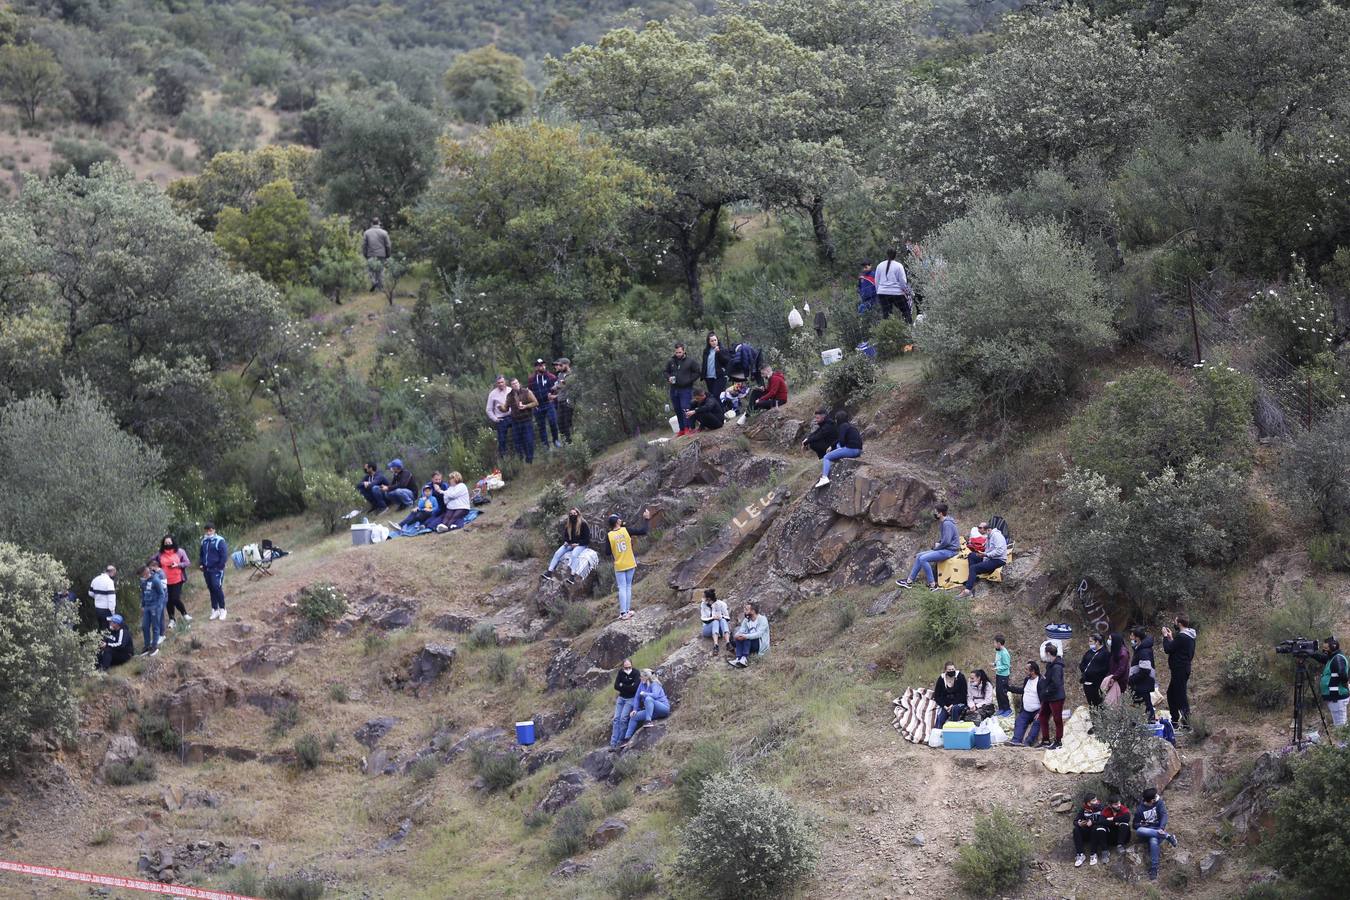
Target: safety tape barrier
{"points": [[132, 884]]}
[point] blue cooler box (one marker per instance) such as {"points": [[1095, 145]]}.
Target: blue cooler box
{"points": [[525, 732], [958, 735], [983, 741]]}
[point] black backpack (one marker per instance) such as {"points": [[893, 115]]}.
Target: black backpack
{"points": [[1002, 525]]}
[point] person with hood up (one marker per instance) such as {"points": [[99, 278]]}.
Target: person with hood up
{"points": [[1051, 688], [947, 545], [576, 537], [620, 539], [651, 703], [1180, 649], [848, 444], [1142, 679], [115, 647], [950, 694], [1095, 669]]}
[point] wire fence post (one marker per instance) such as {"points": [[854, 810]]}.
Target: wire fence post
{"points": [[1195, 325]]}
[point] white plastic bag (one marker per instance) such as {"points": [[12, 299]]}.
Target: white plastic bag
{"points": [[935, 738], [997, 735], [795, 318]]}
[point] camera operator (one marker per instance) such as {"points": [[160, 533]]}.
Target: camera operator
{"points": [[1335, 683]]}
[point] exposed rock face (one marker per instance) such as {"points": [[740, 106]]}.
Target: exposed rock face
{"points": [[193, 702], [121, 749], [743, 530], [269, 701], [429, 663], [475, 737], [1250, 811], [608, 832], [620, 639], [374, 730], [881, 493], [865, 562], [717, 464], [570, 868], [811, 541], [564, 790], [460, 624], [1168, 765], [646, 737], [681, 665], [537, 760], [777, 429], [267, 659], [553, 594], [384, 611], [599, 764], [883, 603]]}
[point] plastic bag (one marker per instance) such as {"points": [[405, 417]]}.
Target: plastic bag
{"points": [[935, 738], [795, 318]]}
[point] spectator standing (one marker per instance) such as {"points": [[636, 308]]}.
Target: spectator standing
{"points": [[1051, 688], [542, 385], [211, 558], [892, 287], [979, 697], [1089, 831], [824, 434], [576, 537], [104, 591], [522, 404], [174, 563], [372, 487], [848, 444], [1095, 669], [116, 646], [651, 703], [867, 288], [1002, 672], [376, 249], [950, 693], [402, 486], [1335, 680], [713, 366], [947, 545], [991, 559], [1150, 826], [499, 412], [625, 560], [562, 396], [750, 637], [681, 373], [153, 596], [455, 505], [1142, 679], [1027, 724], [773, 395], [746, 363], [713, 614], [1116, 818], [626, 682], [1179, 646], [706, 414], [1120, 668]]}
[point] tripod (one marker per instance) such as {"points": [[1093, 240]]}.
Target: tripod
{"points": [[1303, 680]]}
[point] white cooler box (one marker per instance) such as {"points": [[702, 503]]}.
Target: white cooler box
{"points": [[368, 533]]}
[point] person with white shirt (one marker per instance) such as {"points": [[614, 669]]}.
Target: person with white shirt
{"points": [[893, 288], [455, 505], [498, 413], [993, 557], [1027, 725], [104, 591], [713, 613]]}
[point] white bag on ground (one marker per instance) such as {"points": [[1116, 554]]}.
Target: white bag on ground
{"points": [[795, 318], [935, 738]]}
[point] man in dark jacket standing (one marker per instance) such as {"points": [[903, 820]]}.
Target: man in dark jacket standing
{"points": [[211, 557], [1142, 678], [542, 384], [562, 370], [375, 247], [681, 373], [950, 695], [1050, 689], [1180, 649]]}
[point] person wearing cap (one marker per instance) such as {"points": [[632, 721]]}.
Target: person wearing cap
{"points": [[154, 594], [498, 413], [211, 558], [104, 591], [402, 487], [681, 373], [625, 561], [372, 486], [542, 383], [992, 558], [522, 405], [116, 646], [562, 370], [376, 249]]}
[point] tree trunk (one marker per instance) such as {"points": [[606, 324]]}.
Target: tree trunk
{"points": [[824, 240], [691, 280], [556, 332], [618, 398]]}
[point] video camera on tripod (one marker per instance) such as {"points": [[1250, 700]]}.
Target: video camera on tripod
{"points": [[1302, 649], [1297, 647]]}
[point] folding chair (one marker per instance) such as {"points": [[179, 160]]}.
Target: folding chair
{"points": [[261, 559]]}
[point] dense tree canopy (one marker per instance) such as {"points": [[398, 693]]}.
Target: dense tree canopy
{"points": [[486, 85]]}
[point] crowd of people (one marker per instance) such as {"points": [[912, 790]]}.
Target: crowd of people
{"points": [[440, 505], [543, 406]]}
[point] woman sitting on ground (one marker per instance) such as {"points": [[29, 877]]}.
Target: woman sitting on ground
{"points": [[714, 615], [455, 503], [576, 537], [651, 703], [751, 636], [1027, 726], [979, 697]]}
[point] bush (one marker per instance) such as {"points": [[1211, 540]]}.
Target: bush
{"points": [[1246, 676], [137, 771], [571, 831], [845, 614], [747, 840], [575, 618], [617, 800], [322, 604], [552, 505], [1051, 314], [633, 877], [484, 634], [891, 337], [1154, 543], [629, 765], [73, 155], [156, 732], [849, 382], [499, 769], [499, 667], [576, 458], [1329, 552], [997, 859], [519, 547], [337, 692], [284, 718], [328, 496], [42, 660], [1134, 749], [293, 887], [1316, 471], [1307, 841], [705, 760], [1310, 613], [425, 768], [308, 752], [943, 619]]}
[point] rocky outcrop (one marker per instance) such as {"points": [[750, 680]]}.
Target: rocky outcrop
{"points": [[1250, 812], [553, 595], [742, 531], [681, 665], [881, 493], [607, 832], [599, 764], [384, 611], [1165, 767], [621, 639], [777, 429], [193, 702], [811, 540], [269, 701], [430, 663], [456, 622], [121, 749], [646, 737], [267, 659], [564, 791], [374, 730], [717, 464]]}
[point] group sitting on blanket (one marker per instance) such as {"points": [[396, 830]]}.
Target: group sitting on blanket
{"points": [[442, 505]]}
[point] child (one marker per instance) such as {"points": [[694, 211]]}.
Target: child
{"points": [[1088, 832], [426, 508], [1116, 818], [1002, 672], [1150, 824]]}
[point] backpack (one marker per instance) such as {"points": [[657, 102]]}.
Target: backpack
{"points": [[1002, 525]]}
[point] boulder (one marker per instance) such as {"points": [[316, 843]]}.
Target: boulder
{"points": [[429, 663], [777, 429], [811, 541], [1161, 773], [563, 668], [881, 493], [403, 830], [646, 737], [121, 749], [378, 763], [374, 730], [599, 764], [570, 868], [193, 702], [882, 604], [267, 659], [690, 466], [459, 624], [1210, 862], [475, 737], [743, 530], [384, 611], [655, 785], [607, 832], [270, 701], [564, 791], [681, 665], [1250, 811], [537, 760], [553, 595], [865, 561], [620, 639], [551, 724]]}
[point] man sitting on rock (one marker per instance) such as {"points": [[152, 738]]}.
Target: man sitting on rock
{"points": [[950, 694], [707, 414], [823, 435], [947, 546], [992, 559]]}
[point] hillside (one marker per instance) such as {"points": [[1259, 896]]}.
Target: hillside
{"points": [[812, 717]]}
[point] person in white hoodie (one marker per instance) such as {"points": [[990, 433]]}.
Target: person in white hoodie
{"points": [[713, 614], [893, 288], [104, 591]]}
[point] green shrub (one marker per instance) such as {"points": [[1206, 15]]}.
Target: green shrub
{"points": [[1329, 552], [322, 604], [1051, 315], [552, 505], [891, 337], [746, 840], [571, 831], [1246, 676], [1307, 842], [575, 618], [999, 857], [499, 769], [425, 768], [138, 770], [308, 752], [617, 800], [374, 643], [154, 731], [536, 819], [293, 887], [1134, 749], [519, 547], [633, 876], [1310, 612], [705, 760], [337, 692], [1315, 472], [943, 619], [849, 382], [285, 717], [576, 458], [327, 495], [499, 667], [845, 614], [629, 765], [484, 634]]}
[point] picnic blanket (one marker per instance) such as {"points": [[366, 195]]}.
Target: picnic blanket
{"points": [[418, 529], [1080, 752], [915, 712], [952, 573]]}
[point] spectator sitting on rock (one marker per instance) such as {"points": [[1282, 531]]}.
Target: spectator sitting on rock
{"points": [[1089, 831], [625, 561], [1116, 818], [979, 697], [1027, 725], [372, 487], [116, 646], [714, 615], [991, 559], [401, 487], [455, 505], [625, 687], [848, 444], [651, 703], [576, 537], [948, 545], [950, 695], [426, 509], [707, 413], [823, 435], [1150, 826], [773, 395], [751, 636]]}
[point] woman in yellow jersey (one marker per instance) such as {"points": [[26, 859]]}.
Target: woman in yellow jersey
{"points": [[625, 563]]}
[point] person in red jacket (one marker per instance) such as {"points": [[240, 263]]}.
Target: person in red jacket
{"points": [[1116, 818], [773, 394]]}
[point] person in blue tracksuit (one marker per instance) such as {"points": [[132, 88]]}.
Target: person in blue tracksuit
{"points": [[154, 596], [211, 557]]}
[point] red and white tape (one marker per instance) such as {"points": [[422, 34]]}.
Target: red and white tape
{"points": [[131, 884]]}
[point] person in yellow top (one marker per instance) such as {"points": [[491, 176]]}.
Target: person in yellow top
{"points": [[625, 562]]}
